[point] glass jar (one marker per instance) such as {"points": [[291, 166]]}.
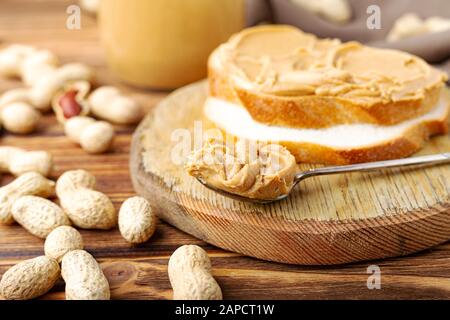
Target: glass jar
{"points": [[165, 43]]}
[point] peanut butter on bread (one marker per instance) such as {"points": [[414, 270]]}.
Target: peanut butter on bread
{"points": [[285, 77]]}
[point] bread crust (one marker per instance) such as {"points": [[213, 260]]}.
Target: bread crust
{"points": [[404, 145], [318, 111]]}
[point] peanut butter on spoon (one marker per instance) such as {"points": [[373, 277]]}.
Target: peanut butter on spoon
{"points": [[257, 171]]}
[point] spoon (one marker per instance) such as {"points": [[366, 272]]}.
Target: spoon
{"points": [[360, 167]]}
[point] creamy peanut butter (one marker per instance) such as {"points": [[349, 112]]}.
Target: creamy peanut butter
{"points": [[251, 170], [284, 61]]}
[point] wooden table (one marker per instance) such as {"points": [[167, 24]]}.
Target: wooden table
{"points": [[140, 272]]}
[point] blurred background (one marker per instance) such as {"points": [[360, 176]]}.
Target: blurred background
{"points": [[165, 44]]}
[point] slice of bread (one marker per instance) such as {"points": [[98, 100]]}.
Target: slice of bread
{"points": [[341, 144], [288, 78]]}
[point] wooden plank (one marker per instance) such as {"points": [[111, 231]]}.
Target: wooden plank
{"points": [[140, 272]]}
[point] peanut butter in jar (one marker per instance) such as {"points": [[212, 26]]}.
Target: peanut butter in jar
{"points": [[165, 43]]}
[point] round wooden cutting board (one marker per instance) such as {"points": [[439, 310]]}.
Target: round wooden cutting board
{"points": [[327, 220]]}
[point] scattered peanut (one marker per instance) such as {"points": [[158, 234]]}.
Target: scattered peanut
{"points": [[30, 279], [18, 161], [71, 101], [15, 95], [46, 86], [38, 216], [190, 275], [43, 90], [26, 62], [38, 70], [31, 183], [109, 104], [338, 11], [12, 57], [69, 105], [36, 65], [84, 277], [410, 25], [86, 208], [61, 241], [19, 117], [93, 136], [91, 6], [137, 223]]}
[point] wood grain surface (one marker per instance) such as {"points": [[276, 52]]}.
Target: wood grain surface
{"points": [[140, 272]]}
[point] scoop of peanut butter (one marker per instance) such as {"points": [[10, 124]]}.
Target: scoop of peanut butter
{"points": [[249, 169]]}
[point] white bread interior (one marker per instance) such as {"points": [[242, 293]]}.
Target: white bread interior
{"points": [[339, 144]]}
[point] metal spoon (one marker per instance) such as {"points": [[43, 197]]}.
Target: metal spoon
{"points": [[369, 166]]}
